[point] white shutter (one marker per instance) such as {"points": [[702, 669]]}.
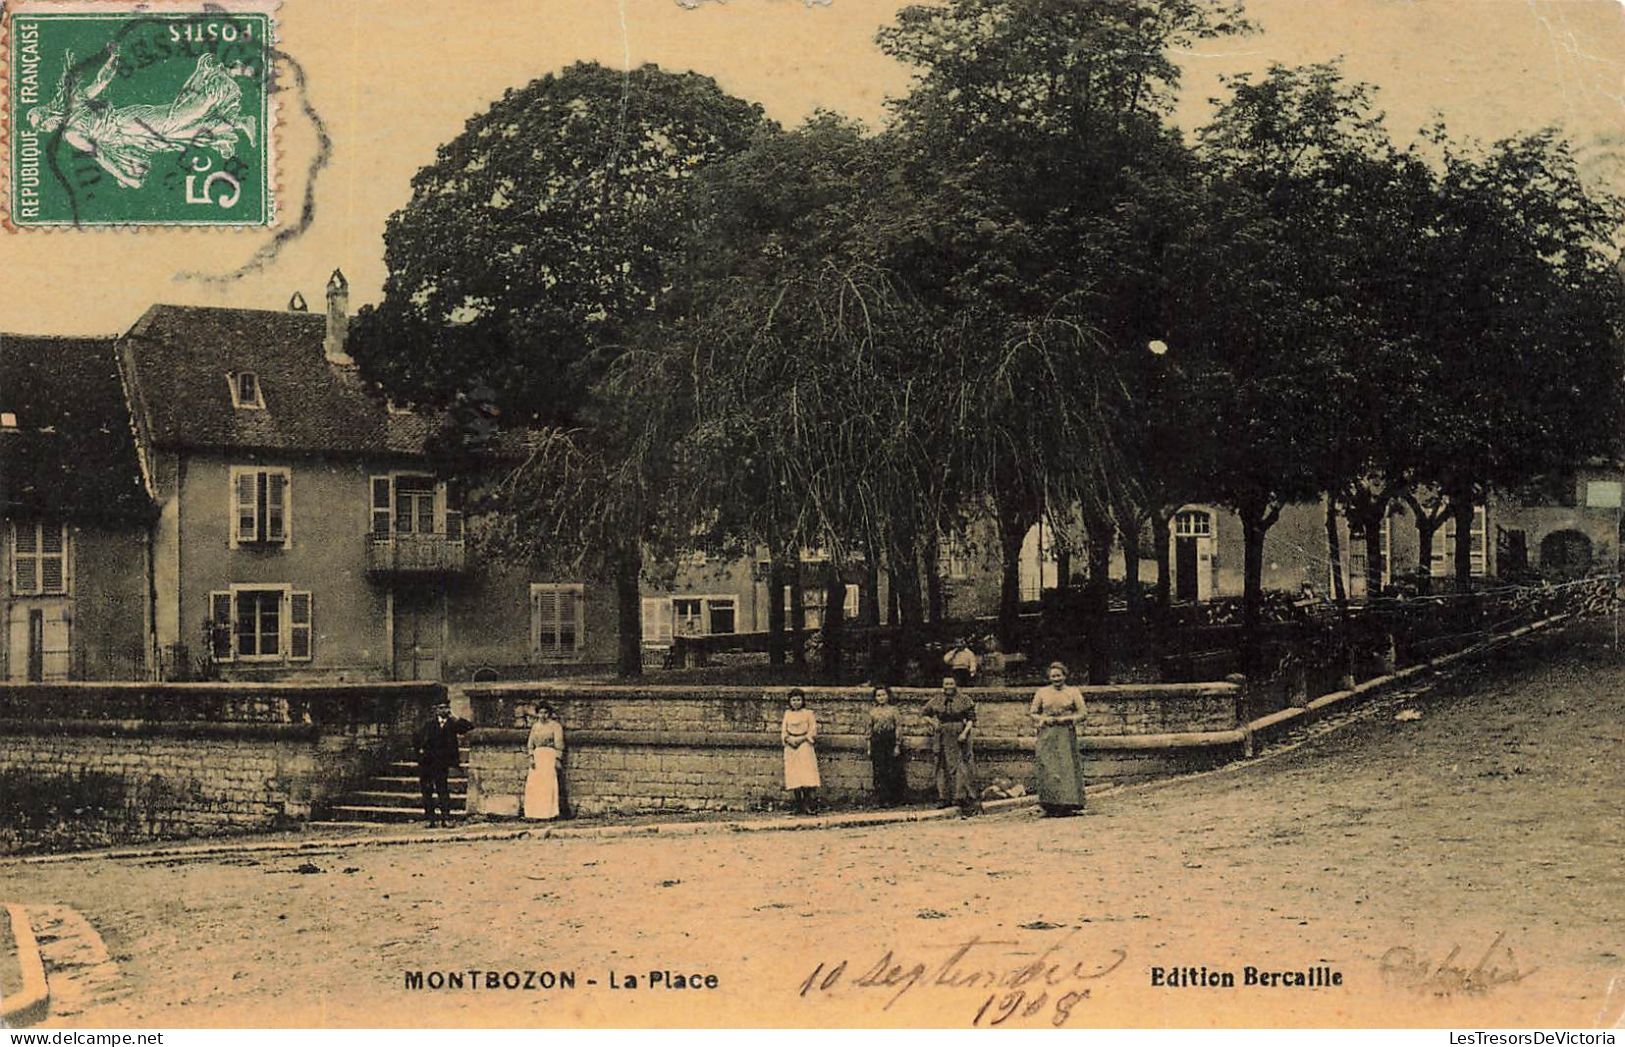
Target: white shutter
{"points": [[850, 605], [381, 514], [56, 650], [24, 559], [650, 616], [245, 511], [53, 563], [300, 632], [17, 644]]}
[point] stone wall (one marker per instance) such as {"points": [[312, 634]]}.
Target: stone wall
{"points": [[138, 760], [649, 748]]}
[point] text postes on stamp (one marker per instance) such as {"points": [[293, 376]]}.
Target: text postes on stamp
{"points": [[138, 114]]}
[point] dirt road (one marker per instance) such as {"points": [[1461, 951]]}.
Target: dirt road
{"points": [[1460, 869]]}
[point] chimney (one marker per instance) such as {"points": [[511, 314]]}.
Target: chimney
{"points": [[338, 320]]}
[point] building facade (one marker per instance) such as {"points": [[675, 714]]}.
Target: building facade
{"points": [[75, 516], [301, 528]]}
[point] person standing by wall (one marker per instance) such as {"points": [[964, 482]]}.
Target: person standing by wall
{"points": [[799, 734], [546, 748], [886, 749], [437, 746], [1057, 710], [953, 717]]}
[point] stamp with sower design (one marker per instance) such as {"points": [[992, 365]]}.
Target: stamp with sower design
{"points": [[127, 114]]}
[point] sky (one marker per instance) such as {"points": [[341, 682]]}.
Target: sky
{"points": [[392, 79]]}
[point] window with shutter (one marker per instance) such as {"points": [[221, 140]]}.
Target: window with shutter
{"points": [[557, 621], [300, 632], [258, 623], [261, 506], [656, 619], [39, 559]]}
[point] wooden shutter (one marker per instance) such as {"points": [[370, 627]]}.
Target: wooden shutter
{"points": [[246, 509], [575, 617], [53, 558], [300, 632], [276, 507], [221, 628], [56, 647], [381, 515], [24, 558]]}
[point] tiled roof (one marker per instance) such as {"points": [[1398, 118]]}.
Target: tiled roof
{"points": [[72, 452], [180, 357]]}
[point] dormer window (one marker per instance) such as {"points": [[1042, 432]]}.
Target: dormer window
{"points": [[245, 390]]}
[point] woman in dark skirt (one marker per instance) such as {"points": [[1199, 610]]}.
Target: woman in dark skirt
{"points": [[886, 749], [1057, 710], [953, 718]]}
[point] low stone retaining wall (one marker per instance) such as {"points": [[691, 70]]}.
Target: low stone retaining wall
{"points": [[123, 761], [670, 748]]}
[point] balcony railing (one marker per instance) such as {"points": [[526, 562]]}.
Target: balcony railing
{"points": [[416, 554]]}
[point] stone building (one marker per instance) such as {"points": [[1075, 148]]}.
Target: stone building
{"points": [[302, 530], [76, 508]]}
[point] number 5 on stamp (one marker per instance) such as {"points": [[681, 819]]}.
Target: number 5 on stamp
{"points": [[123, 114]]}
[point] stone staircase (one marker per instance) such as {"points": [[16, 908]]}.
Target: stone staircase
{"points": [[394, 796]]}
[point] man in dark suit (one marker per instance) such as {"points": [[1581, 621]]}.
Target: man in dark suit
{"points": [[437, 748]]}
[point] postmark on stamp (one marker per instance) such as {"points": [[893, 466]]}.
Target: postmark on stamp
{"points": [[128, 113]]}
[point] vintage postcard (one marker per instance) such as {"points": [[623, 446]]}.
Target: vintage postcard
{"points": [[1060, 514]]}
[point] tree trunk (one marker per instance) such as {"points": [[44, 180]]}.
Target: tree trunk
{"points": [[776, 580], [1425, 530], [1098, 600], [798, 613], [1334, 551], [1462, 509], [871, 590], [905, 580], [1129, 535], [1010, 539], [1161, 524], [834, 624], [1255, 524], [629, 610], [1063, 569], [933, 579]]}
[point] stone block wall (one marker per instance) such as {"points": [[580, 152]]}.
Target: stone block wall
{"points": [[124, 761], [635, 748]]}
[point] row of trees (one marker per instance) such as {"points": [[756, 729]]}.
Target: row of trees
{"points": [[1028, 291]]}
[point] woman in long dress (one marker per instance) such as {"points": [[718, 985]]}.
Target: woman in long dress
{"points": [[799, 734], [953, 716], [1057, 710], [886, 749], [546, 748]]}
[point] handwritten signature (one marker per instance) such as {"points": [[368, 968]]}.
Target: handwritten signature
{"points": [[1050, 984], [1404, 967]]}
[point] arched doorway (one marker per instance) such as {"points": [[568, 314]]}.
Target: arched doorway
{"points": [[1194, 536], [1565, 554]]}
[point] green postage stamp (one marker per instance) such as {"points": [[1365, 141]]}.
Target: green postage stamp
{"points": [[134, 114]]}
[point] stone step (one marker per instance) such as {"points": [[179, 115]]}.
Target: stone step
{"points": [[412, 779], [381, 798], [350, 812], [409, 769]]}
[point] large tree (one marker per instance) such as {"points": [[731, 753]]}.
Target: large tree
{"points": [[536, 259], [1520, 305], [1037, 134], [1269, 305]]}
